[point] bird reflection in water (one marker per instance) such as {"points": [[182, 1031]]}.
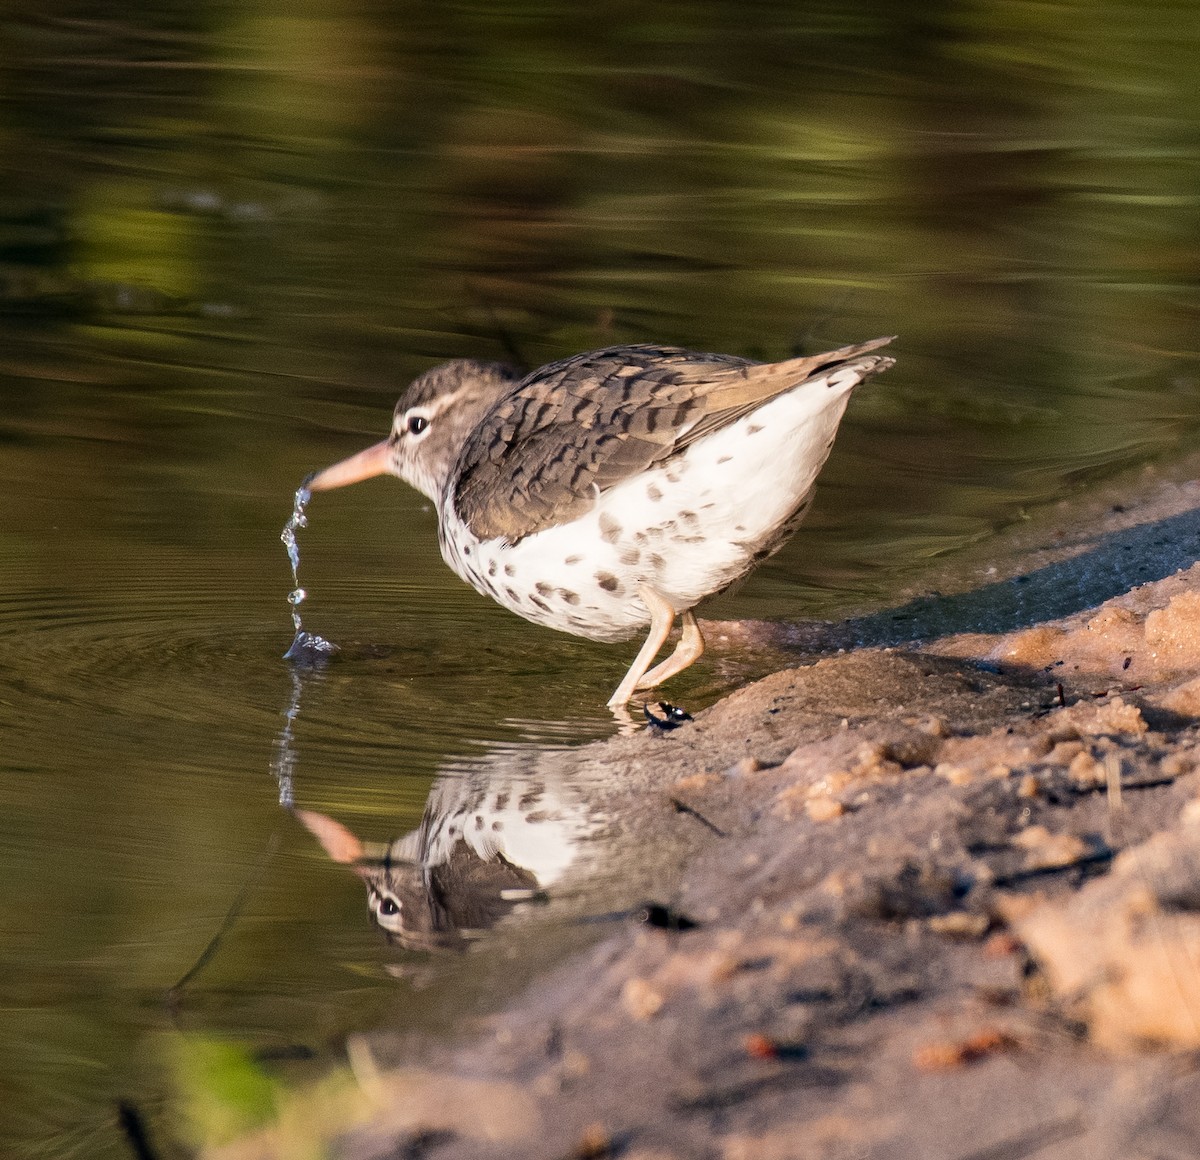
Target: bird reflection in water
{"points": [[491, 839], [494, 836]]}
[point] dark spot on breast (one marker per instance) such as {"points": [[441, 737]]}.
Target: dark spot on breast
{"points": [[639, 537], [829, 445], [629, 556], [543, 588], [466, 549], [656, 561], [654, 492], [514, 596], [725, 459], [610, 530], [572, 559], [478, 822], [688, 517], [497, 825], [739, 527], [538, 602], [569, 596], [501, 801], [530, 796], [491, 567], [607, 581], [509, 570], [754, 429]]}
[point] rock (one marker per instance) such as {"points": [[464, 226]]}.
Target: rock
{"points": [[824, 809], [1173, 633], [1184, 699], [1046, 851], [641, 998], [1122, 953]]}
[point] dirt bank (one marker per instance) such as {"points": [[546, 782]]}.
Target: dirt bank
{"points": [[946, 903]]}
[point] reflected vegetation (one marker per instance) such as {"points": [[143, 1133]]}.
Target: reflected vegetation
{"points": [[229, 235]]}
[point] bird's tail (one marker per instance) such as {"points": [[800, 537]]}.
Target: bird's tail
{"points": [[738, 390]]}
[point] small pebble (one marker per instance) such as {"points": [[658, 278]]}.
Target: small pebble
{"points": [[642, 999], [760, 1046], [824, 809]]}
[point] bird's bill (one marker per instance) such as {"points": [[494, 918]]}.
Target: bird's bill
{"points": [[339, 843], [343, 846], [366, 464]]}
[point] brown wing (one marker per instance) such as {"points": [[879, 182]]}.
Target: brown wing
{"points": [[592, 421]]}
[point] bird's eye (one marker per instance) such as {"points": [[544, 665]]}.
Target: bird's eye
{"points": [[416, 424], [389, 906]]}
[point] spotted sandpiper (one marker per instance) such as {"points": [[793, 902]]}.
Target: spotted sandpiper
{"points": [[613, 491]]}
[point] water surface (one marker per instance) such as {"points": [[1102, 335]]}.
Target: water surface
{"points": [[229, 238]]}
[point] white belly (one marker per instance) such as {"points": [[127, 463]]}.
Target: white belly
{"points": [[689, 528]]}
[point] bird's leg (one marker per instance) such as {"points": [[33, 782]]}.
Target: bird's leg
{"points": [[662, 616], [690, 648]]}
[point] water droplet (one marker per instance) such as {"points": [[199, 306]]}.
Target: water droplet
{"points": [[307, 648], [310, 649]]}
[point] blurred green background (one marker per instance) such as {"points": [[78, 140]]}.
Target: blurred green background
{"points": [[229, 235]]}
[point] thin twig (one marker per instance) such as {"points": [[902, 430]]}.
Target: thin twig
{"points": [[1112, 781], [684, 808], [231, 916], [1029, 1142]]}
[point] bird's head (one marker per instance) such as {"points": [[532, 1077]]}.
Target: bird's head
{"points": [[431, 423]]}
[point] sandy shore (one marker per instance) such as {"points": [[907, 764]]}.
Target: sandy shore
{"points": [[946, 898]]}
